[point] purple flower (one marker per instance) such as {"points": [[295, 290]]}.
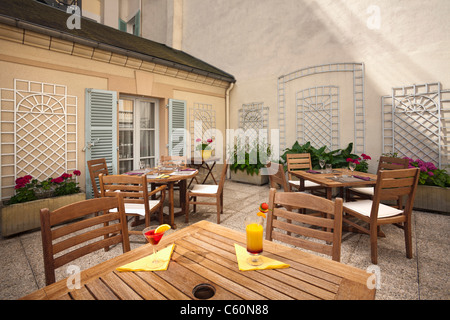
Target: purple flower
{"points": [[430, 173], [423, 169]]}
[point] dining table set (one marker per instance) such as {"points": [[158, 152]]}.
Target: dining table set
{"points": [[208, 261]]}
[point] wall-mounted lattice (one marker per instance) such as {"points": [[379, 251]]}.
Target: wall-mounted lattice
{"points": [[202, 118], [318, 116], [416, 122], [357, 70], [252, 118], [38, 132]]}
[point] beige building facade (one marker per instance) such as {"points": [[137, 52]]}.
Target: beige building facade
{"points": [[51, 84]]}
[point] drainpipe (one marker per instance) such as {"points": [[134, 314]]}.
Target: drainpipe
{"points": [[227, 118]]}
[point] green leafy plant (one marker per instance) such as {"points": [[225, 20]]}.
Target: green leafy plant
{"points": [[29, 189], [250, 158], [337, 158]]}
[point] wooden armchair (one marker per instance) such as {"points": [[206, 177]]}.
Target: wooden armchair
{"points": [[137, 199], [301, 161], [390, 183], [105, 224], [96, 167], [299, 233], [208, 191]]}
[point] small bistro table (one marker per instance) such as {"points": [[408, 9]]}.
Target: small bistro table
{"points": [[336, 179], [207, 164], [204, 254]]}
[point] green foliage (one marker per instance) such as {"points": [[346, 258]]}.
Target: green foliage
{"points": [[250, 158], [337, 158], [29, 189]]}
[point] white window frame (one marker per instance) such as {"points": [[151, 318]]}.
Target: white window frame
{"points": [[137, 128]]}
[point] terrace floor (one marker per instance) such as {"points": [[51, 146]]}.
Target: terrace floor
{"points": [[424, 277]]}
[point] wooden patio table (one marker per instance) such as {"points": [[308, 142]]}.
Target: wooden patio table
{"points": [[170, 181], [204, 253], [335, 179]]}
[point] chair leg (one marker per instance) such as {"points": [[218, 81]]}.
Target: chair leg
{"points": [[161, 214], [219, 209], [408, 238], [373, 243], [186, 210], [195, 206]]}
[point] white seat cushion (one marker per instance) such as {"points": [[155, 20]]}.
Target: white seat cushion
{"points": [[364, 190], [137, 208], [364, 207], [205, 188], [308, 184]]}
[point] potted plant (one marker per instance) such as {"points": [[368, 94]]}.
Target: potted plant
{"points": [[205, 148], [433, 191], [21, 212], [247, 160]]}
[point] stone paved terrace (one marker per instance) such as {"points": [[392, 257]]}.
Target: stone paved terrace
{"points": [[423, 277]]}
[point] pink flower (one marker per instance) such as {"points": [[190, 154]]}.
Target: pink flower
{"points": [[198, 140], [430, 173], [366, 157], [57, 180], [356, 162], [349, 160], [77, 172], [66, 175], [209, 140]]}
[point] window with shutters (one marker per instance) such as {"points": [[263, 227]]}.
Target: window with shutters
{"points": [[138, 130], [177, 128]]}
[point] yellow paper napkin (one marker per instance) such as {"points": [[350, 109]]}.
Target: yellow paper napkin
{"points": [[143, 264], [268, 263]]}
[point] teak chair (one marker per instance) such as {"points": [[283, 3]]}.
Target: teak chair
{"points": [[385, 163], [96, 167], [137, 199], [106, 224], [209, 191], [391, 183], [301, 161], [171, 162], [329, 231], [278, 179]]}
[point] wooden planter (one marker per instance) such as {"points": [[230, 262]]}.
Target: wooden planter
{"points": [[22, 217], [242, 176], [431, 198]]}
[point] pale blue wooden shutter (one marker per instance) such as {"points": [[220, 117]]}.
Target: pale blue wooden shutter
{"points": [[101, 130], [177, 127]]}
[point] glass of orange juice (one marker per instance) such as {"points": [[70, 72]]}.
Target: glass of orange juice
{"points": [[254, 229]]}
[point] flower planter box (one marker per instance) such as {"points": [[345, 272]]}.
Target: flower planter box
{"points": [[242, 176], [22, 217], [431, 198]]}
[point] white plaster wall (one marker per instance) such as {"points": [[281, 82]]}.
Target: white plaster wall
{"points": [[259, 40]]}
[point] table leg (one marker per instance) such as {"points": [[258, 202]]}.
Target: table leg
{"points": [[329, 193], [210, 172], [171, 205]]}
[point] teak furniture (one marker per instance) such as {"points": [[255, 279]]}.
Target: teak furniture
{"points": [[74, 233], [204, 253]]}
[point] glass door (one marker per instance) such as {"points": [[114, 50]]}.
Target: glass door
{"points": [[138, 127]]}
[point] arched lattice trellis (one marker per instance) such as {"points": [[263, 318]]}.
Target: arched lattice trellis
{"points": [[38, 132]]}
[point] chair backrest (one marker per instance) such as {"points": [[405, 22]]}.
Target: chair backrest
{"points": [[391, 163], [278, 178], [298, 161], [392, 184], [96, 167], [171, 161], [299, 225], [223, 176], [75, 233], [133, 188]]}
